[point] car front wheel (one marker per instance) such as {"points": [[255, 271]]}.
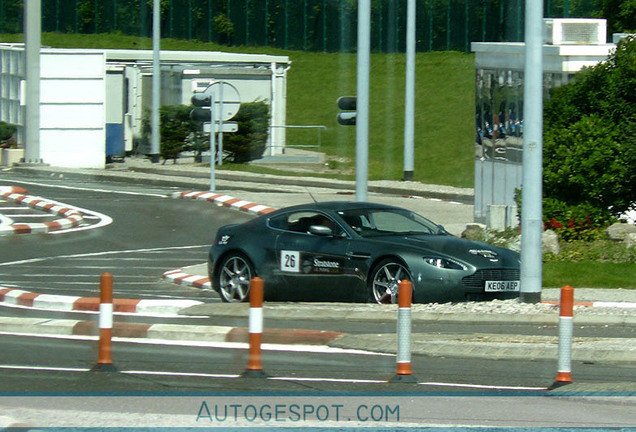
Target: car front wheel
{"points": [[385, 280], [233, 278]]}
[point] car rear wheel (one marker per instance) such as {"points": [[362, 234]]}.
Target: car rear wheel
{"points": [[384, 281], [233, 279]]}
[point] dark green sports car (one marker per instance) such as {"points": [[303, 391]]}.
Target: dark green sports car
{"points": [[356, 252]]}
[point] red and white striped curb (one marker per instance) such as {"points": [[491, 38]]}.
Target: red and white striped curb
{"points": [[17, 297], [180, 278], [226, 201], [179, 332], [12, 189], [70, 217]]}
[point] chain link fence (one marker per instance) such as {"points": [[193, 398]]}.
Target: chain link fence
{"points": [[310, 25]]}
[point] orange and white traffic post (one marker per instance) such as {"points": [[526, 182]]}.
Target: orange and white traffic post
{"points": [[404, 372], [566, 331], [105, 358], [254, 360]]}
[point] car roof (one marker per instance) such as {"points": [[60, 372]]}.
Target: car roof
{"points": [[336, 206]]}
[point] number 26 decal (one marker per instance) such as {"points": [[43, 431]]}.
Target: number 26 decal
{"points": [[290, 261]]}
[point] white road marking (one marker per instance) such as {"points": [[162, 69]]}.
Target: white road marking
{"points": [[104, 220], [91, 189], [481, 386], [278, 378], [181, 374], [44, 368], [317, 349], [104, 253], [336, 380]]}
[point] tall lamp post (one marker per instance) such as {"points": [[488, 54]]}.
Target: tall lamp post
{"points": [[156, 80], [32, 40], [532, 202]]}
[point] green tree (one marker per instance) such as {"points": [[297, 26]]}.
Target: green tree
{"points": [[177, 131], [590, 142], [620, 15]]}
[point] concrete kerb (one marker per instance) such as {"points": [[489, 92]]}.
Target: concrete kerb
{"points": [[489, 346], [70, 217], [199, 178], [14, 297], [185, 179]]}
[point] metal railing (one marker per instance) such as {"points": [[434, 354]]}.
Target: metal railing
{"points": [[282, 147]]}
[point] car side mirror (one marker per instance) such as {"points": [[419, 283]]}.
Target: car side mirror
{"points": [[320, 230]]}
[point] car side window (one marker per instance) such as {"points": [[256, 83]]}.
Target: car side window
{"points": [[300, 222]]}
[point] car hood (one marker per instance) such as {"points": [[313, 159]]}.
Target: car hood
{"points": [[472, 252]]}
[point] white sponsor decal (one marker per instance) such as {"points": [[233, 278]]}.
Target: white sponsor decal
{"points": [[326, 264]]}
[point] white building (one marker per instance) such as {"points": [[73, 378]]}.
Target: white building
{"points": [[569, 45], [92, 101]]}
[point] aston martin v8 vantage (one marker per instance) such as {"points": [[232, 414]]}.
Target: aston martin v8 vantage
{"points": [[356, 252]]}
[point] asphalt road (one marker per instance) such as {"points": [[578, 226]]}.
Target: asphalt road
{"points": [[45, 364], [204, 377], [150, 233]]}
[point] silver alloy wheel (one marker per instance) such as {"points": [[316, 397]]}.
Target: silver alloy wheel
{"points": [[234, 279], [386, 280]]}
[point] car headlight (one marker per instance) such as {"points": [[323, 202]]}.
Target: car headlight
{"points": [[445, 263]]}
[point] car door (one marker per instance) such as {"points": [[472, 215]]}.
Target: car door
{"points": [[314, 266]]}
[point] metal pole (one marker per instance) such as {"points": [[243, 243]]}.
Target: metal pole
{"points": [[362, 120], [409, 101], [213, 117], [156, 81], [531, 212], [32, 38], [220, 124]]}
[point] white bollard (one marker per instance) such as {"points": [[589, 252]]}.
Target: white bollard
{"points": [[566, 332], [404, 372]]}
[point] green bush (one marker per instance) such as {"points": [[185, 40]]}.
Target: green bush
{"points": [[6, 131], [600, 251], [590, 146], [178, 133], [176, 128], [253, 129]]}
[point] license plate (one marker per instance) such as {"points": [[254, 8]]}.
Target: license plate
{"points": [[502, 286]]}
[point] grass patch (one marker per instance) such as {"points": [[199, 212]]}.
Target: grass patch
{"points": [[444, 111], [589, 274]]}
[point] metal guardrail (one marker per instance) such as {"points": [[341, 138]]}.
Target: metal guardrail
{"points": [[318, 146]]}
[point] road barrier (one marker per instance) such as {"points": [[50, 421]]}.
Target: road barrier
{"points": [[105, 359], [404, 373], [254, 361], [566, 330]]}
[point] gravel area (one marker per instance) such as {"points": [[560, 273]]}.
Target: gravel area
{"points": [[625, 300]]}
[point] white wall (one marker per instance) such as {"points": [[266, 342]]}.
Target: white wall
{"points": [[12, 59], [73, 95], [72, 114]]}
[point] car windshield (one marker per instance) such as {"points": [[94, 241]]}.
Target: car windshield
{"points": [[378, 222]]}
